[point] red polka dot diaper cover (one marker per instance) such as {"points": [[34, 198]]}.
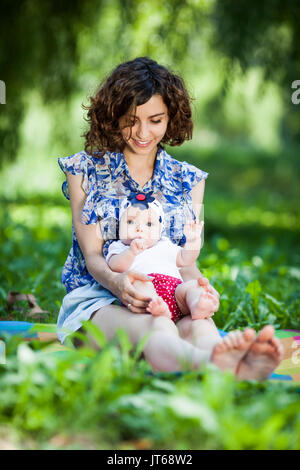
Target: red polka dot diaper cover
{"points": [[165, 287]]}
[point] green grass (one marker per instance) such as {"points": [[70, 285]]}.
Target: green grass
{"points": [[109, 399]]}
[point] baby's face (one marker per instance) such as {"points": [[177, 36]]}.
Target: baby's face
{"points": [[137, 223]]}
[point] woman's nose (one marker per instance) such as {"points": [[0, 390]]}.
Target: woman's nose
{"points": [[142, 131]]}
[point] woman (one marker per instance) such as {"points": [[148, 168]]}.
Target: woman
{"points": [[137, 109]]}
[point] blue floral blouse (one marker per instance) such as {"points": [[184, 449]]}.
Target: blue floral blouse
{"points": [[106, 180]]}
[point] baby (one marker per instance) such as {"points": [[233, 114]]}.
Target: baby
{"points": [[141, 248]]}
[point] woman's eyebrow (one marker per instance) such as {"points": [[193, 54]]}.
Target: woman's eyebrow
{"points": [[158, 114], [154, 115]]}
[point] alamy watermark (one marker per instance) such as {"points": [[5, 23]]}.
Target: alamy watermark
{"points": [[2, 352], [2, 92], [296, 95], [296, 354]]}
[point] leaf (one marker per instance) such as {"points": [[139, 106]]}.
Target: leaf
{"points": [[3, 294], [95, 333], [254, 288], [272, 299], [262, 311], [26, 354], [43, 327], [190, 409], [140, 346], [274, 304], [125, 345], [294, 272]]}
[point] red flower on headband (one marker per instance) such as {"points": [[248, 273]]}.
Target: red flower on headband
{"points": [[141, 200]]}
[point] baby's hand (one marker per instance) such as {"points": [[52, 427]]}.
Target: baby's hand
{"points": [[192, 230], [138, 245]]}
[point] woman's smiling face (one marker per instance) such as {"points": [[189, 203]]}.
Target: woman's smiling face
{"points": [[149, 126]]}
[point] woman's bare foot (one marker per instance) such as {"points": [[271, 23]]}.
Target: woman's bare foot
{"points": [[228, 353], [263, 357], [158, 307]]}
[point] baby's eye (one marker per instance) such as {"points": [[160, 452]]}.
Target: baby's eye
{"points": [[149, 224], [130, 222]]}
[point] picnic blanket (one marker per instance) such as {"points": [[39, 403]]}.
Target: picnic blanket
{"points": [[288, 369]]}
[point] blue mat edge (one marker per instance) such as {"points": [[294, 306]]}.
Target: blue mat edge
{"points": [[23, 328]]}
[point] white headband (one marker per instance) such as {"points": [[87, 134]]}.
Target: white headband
{"points": [[155, 205]]}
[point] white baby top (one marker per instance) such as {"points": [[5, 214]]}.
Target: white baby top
{"points": [[160, 258]]}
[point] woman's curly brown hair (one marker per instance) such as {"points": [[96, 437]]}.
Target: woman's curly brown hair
{"points": [[132, 84]]}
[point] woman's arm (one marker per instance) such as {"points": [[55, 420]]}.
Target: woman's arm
{"points": [[89, 236], [91, 243]]}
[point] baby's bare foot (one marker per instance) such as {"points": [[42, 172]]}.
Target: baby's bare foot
{"points": [[263, 357], [158, 307], [228, 353], [204, 307]]}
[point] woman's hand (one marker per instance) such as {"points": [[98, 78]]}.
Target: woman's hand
{"points": [[124, 290]]}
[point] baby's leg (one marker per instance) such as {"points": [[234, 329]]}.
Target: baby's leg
{"points": [[194, 299], [157, 306]]}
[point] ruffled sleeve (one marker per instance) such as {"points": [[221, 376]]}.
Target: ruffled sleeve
{"points": [[81, 164], [191, 175], [77, 164]]}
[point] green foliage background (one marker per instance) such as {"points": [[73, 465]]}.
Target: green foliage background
{"points": [[238, 62]]}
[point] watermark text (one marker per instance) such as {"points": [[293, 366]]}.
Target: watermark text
{"points": [[296, 95], [2, 92], [2, 352]]}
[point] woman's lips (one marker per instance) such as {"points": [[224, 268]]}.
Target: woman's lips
{"points": [[142, 145]]}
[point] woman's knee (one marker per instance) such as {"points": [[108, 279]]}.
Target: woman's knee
{"points": [[137, 325], [108, 318], [113, 317]]}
